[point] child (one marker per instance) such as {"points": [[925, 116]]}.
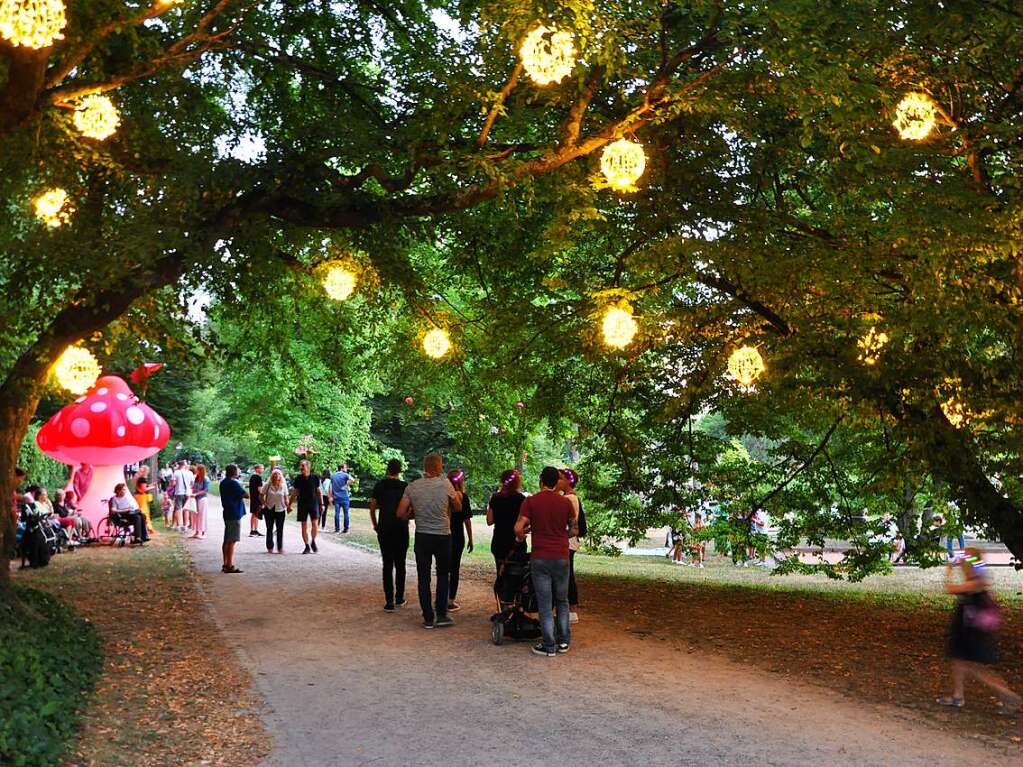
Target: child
{"points": [[698, 546], [168, 509]]}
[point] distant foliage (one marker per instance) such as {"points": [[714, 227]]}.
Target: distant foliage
{"points": [[41, 469]]}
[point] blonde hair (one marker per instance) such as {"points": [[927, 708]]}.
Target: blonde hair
{"points": [[276, 478]]}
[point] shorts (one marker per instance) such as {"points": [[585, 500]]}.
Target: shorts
{"points": [[256, 511], [179, 502], [310, 512], [232, 530]]}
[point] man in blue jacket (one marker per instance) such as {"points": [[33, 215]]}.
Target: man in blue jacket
{"points": [[232, 498], [339, 482]]}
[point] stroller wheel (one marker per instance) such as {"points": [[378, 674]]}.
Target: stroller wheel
{"points": [[497, 632]]}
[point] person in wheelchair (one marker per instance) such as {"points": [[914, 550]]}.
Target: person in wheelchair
{"points": [[124, 511], [82, 525]]}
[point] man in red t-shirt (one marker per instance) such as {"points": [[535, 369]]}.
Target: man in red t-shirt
{"points": [[550, 519]]}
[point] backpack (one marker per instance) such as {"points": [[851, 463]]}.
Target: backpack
{"points": [[582, 520]]}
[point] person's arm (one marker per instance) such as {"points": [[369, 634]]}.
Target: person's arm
{"points": [[573, 520], [405, 511], [490, 516], [966, 587], [522, 523], [373, 512], [468, 533]]}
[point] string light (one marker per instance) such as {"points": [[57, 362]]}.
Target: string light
{"points": [[619, 326], [77, 369], [339, 283], [871, 345], [548, 55], [96, 117], [622, 162], [746, 365], [32, 23], [915, 116], [52, 207], [436, 343]]}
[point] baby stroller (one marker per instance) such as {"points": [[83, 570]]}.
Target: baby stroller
{"points": [[513, 591], [37, 541]]}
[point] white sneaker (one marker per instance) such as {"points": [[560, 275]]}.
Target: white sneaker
{"points": [[573, 617]]}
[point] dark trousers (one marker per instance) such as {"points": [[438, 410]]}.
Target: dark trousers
{"points": [[430, 548], [137, 522], [393, 549], [573, 592], [457, 547], [273, 518]]}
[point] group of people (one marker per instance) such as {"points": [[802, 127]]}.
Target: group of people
{"points": [[44, 526]]}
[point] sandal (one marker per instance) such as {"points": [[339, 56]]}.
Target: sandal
{"points": [[231, 569], [953, 702]]}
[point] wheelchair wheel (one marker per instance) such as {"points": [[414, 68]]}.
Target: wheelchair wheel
{"points": [[105, 530], [497, 632]]}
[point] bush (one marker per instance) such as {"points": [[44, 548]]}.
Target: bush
{"points": [[49, 661], [41, 469]]}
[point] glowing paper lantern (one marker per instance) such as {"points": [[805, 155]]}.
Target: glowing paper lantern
{"points": [[746, 365], [548, 55], [339, 283], [955, 411], [77, 369], [915, 116], [436, 343], [52, 207], [32, 23], [619, 327], [96, 117], [622, 163], [871, 345]]}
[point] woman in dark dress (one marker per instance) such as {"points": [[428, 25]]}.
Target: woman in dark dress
{"points": [[971, 644], [502, 513], [461, 531]]}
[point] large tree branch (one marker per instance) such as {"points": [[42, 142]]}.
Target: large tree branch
{"points": [[722, 283], [498, 105]]}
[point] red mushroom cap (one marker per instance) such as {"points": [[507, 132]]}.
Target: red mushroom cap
{"points": [[105, 427]]}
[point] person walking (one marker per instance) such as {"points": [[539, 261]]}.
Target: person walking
{"points": [[549, 519], [971, 646], [431, 500], [340, 482], [274, 504], [201, 492], [305, 488], [232, 498], [392, 533], [502, 514], [461, 533], [255, 499], [181, 480], [327, 494], [566, 485]]}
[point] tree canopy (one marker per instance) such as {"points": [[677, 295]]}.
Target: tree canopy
{"points": [[779, 209]]}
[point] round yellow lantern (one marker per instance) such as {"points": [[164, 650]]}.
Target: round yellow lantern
{"points": [[915, 116], [32, 23], [339, 283], [746, 365], [77, 369], [96, 117], [955, 411], [622, 162], [619, 327], [871, 345], [548, 55], [53, 208], [436, 343]]}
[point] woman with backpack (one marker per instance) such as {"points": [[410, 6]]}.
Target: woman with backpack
{"points": [[971, 647], [567, 486]]}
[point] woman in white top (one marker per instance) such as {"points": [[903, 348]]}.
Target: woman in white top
{"points": [[325, 490], [567, 486], [275, 506], [123, 507]]}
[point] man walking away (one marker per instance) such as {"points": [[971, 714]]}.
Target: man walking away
{"points": [[339, 482], [182, 479], [255, 499], [232, 498], [430, 501], [550, 519], [306, 488], [392, 533]]}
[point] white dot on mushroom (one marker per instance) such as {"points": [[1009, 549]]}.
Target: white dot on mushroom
{"points": [[135, 415], [122, 396], [120, 431], [80, 428], [102, 390], [98, 407]]}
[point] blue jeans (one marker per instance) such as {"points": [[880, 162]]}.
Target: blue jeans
{"points": [[948, 544], [550, 581], [340, 503]]}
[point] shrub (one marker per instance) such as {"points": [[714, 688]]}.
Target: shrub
{"points": [[49, 661]]}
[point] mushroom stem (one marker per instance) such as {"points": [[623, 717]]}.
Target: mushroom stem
{"points": [[94, 505]]}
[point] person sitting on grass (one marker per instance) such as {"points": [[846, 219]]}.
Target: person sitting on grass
{"points": [[123, 509], [232, 499], [971, 646]]}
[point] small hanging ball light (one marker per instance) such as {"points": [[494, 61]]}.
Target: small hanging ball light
{"points": [[619, 326], [32, 23], [339, 283], [622, 162], [77, 369], [52, 207], [871, 345], [96, 117], [746, 365], [915, 116], [955, 411], [548, 55], [436, 343]]}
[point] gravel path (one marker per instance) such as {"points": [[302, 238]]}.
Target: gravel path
{"points": [[348, 684]]}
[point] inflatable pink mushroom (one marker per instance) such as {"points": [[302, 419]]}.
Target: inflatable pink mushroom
{"points": [[105, 429]]}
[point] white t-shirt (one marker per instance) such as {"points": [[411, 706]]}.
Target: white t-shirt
{"points": [[183, 480], [573, 542], [123, 503]]}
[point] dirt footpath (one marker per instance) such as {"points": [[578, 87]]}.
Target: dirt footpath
{"points": [[347, 684]]}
